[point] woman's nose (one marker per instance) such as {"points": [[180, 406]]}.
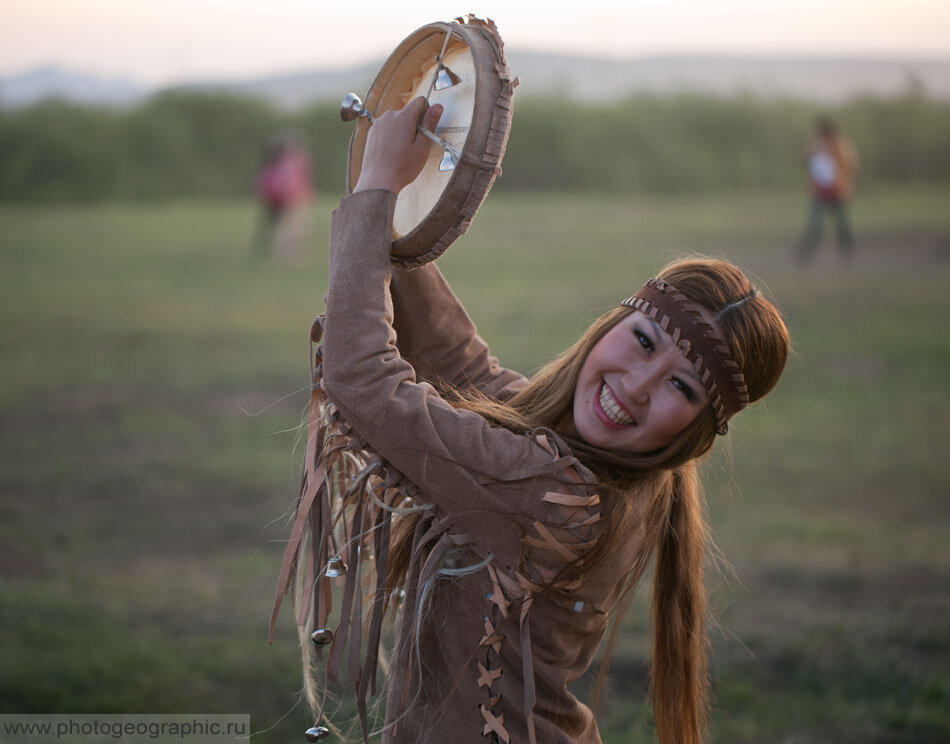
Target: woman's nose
{"points": [[636, 384]]}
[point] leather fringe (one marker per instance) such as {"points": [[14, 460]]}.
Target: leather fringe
{"points": [[347, 500]]}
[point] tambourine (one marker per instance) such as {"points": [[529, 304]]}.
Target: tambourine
{"points": [[462, 66]]}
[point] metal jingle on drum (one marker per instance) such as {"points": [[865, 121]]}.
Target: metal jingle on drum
{"points": [[445, 78], [317, 733], [322, 637], [449, 161], [336, 567]]}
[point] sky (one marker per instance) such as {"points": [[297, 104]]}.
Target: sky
{"points": [[167, 41]]}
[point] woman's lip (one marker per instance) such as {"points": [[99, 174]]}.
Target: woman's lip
{"points": [[602, 414]]}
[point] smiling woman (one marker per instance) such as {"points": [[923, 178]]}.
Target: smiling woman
{"points": [[505, 521]]}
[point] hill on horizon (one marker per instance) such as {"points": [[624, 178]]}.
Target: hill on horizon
{"points": [[584, 78]]}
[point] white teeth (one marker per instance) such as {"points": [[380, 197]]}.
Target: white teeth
{"points": [[613, 410]]}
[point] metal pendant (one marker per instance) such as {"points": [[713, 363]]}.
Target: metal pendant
{"points": [[336, 567], [445, 78], [317, 733], [322, 636], [449, 161]]}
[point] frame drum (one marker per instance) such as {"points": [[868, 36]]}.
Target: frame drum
{"points": [[462, 66]]}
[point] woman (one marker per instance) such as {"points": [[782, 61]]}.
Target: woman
{"points": [[508, 519]]}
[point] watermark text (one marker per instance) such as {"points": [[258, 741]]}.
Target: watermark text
{"points": [[126, 728]]}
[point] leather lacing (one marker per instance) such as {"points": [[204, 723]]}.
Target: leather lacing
{"points": [[561, 540]]}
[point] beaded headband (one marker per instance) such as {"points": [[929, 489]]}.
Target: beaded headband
{"points": [[700, 343]]}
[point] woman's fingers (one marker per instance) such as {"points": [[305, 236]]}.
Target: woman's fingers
{"points": [[430, 119], [422, 144], [411, 113], [395, 152]]}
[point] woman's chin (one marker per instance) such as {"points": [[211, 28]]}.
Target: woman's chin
{"points": [[597, 434]]}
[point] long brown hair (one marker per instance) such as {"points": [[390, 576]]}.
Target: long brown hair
{"points": [[664, 484]]}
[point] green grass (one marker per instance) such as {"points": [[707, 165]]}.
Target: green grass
{"points": [[151, 385]]}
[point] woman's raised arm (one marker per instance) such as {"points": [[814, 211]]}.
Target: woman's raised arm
{"points": [[473, 471], [433, 331], [437, 337]]}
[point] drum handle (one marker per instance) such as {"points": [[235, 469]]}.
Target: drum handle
{"points": [[451, 149]]}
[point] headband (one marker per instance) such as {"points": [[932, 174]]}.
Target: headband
{"points": [[701, 343]]}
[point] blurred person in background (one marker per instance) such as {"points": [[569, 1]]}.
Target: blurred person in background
{"points": [[832, 163], [285, 188]]}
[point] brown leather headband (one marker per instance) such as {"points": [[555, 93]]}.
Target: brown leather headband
{"points": [[700, 343]]}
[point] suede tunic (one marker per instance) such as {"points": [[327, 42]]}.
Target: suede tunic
{"points": [[494, 650]]}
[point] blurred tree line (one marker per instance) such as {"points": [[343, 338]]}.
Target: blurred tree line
{"points": [[210, 145]]}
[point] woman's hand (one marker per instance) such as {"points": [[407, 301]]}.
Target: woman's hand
{"points": [[395, 152]]}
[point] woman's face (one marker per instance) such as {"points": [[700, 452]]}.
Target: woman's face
{"points": [[636, 391]]}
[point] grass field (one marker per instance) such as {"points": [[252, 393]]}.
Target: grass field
{"points": [[152, 375]]}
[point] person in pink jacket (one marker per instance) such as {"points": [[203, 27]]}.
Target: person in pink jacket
{"points": [[284, 187]]}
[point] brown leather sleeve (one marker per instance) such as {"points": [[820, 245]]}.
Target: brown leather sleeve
{"points": [[437, 337], [491, 480]]}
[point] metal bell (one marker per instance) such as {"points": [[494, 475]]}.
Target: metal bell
{"points": [[448, 162], [317, 733], [336, 567], [352, 107], [322, 636], [445, 78]]}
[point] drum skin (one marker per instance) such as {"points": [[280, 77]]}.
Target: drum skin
{"points": [[439, 206]]}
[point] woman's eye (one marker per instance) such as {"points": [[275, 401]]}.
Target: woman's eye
{"points": [[685, 389], [644, 340]]}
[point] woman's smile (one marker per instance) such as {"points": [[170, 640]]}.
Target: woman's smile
{"points": [[613, 413]]}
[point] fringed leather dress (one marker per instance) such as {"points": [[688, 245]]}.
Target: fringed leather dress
{"points": [[489, 636]]}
